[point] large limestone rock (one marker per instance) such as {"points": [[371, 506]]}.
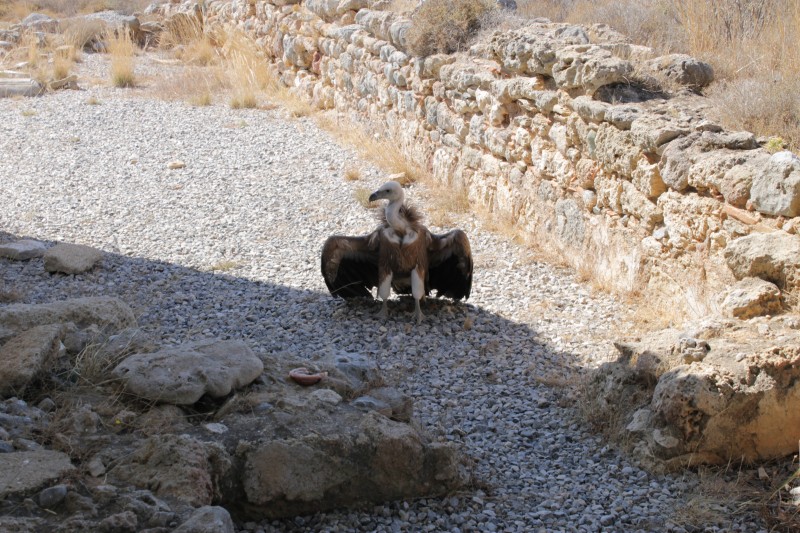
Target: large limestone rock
{"points": [[71, 258], [683, 69], [25, 472], [372, 460], [773, 257], [25, 356], [729, 410], [776, 189], [725, 390], [182, 375], [752, 297], [105, 312]]}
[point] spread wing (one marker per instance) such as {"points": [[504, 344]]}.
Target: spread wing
{"points": [[450, 264], [350, 265]]}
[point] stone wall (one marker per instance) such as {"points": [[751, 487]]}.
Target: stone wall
{"points": [[541, 125]]}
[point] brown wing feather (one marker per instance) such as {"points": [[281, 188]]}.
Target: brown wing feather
{"points": [[450, 265], [350, 265]]}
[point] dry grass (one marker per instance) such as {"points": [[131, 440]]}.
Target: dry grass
{"points": [[361, 195], [62, 66], [81, 33], [15, 10], [185, 36], [446, 26], [352, 173], [123, 58], [225, 265], [447, 202], [382, 152]]}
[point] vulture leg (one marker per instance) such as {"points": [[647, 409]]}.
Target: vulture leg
{"points": [[384, 289], [418, 292]]}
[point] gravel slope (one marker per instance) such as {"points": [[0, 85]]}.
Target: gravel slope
{"points": [[228, 246]]}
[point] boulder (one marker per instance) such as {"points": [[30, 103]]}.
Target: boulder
{"points": [[724, 411], [723, 390], [776, 189], [22, 250], [208, 519], [26, 472], [752, 297], [772, 256], [374, 460], [26, 356], [183, 374], [71, 258], [683, 69], [115, 21], [108, 313]]}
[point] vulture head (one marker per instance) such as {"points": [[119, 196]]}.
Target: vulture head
{"points": [[390, 190]]}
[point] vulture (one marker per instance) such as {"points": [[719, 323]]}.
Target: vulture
{"points": [[400, 255]]}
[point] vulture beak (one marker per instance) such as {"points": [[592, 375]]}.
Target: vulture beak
{"points": [[374, 197]]}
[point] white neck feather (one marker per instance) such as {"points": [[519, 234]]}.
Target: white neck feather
{"points": [[393, 217]]}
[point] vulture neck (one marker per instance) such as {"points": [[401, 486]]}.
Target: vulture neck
{"points": [[397, 221]]}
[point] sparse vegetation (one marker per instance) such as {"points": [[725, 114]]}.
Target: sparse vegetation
{"points": [[382, 152], [225, 265], [123, 53], [352, 173], [362, 197]]}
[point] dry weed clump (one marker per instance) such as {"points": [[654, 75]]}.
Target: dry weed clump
{"points": [[445, 26], [123, 54], [384, 153], [189, 41]]}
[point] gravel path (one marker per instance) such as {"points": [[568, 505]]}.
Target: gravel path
{"points": [[228, 246]]}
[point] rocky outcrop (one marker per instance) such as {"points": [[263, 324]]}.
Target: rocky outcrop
{"points": [[752, 297], [730, 392], [279, 450], [773, 257]]}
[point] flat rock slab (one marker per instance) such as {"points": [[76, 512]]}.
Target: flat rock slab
{"points": [[26, 355], [71, 258], [104, 311], [22, 250], [24, 472], [183, 374], [11, 87]]}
